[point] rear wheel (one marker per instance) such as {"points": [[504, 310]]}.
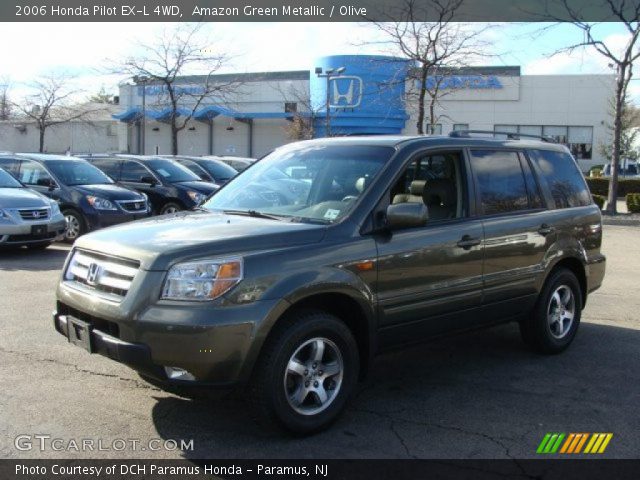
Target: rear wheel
{"points": [[554, 322], [76, 225], [306, 373]]}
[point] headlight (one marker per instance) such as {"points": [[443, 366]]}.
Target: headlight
{"points": [[100, 203], [196, 196], [202, 280]]}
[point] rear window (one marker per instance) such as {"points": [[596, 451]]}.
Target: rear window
{"points": [[566, 183]]}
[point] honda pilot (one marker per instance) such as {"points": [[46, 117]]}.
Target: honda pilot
{"points": [[396, 240]]}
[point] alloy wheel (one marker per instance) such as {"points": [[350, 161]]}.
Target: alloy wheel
{"points": [[561, 311]]}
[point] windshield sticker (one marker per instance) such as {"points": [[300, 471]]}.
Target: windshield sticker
{"points": [[331, 214], [163, 172]]}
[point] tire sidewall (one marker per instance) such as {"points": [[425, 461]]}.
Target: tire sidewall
{"points": [[81, 222], [167, 205], [322, 325]]}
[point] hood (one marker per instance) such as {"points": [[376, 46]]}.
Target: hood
{"points": [[159, 242], [108, 191], [202, 187], [22, 198]]}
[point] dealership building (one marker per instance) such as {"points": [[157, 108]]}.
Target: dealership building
{"points": [[367, 95]]}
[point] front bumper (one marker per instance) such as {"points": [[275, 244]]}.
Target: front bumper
{"points": [[21, 233], [102, 219]]}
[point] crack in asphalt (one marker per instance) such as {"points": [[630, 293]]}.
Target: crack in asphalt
{"points": [[30, 356]]}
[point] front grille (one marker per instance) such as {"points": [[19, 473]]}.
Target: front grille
{"points": [[31, 238], [134, 206], [101, 324], [111, 276], [34, 213]]}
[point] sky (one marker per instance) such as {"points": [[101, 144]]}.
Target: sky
{"points": [[83, 49]]}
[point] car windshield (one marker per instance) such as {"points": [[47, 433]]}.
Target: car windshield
{"points": [[171, 171], [329, 181], [77, 172], [218, 169], [7, 181]]}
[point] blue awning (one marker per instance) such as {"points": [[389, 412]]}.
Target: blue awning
{"points": [[203, 115]]}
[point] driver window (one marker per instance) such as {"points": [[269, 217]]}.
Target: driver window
{"points": [[435, 180]]}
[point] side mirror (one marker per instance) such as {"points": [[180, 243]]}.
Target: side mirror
{"points": [[407, 215], [148, 179]]}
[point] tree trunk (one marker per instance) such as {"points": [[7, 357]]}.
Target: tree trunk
{"points": [[432, 115], [421, 97], [41, 147], [174, 138], [612, 198]]}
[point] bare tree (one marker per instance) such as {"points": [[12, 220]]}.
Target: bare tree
{"points": [[301, 125], [5, 103], [629, 134], [435, 49], [178, 52], [621, 59], [51, 101]]}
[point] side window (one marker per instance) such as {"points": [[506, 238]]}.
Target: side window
{"points": [[436, 181], [566, 183], [133, 172], [110, 167], [533, 189], [32, 173], [500, 180]]}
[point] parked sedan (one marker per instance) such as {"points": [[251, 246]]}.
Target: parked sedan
{"points": [[208, 169], [169, 186], [27, 218], [88, 198]]}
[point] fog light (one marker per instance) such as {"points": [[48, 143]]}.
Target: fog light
{"points": [[175, 373]]}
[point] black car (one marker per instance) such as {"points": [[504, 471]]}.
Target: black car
{"points": [[208, 169], [88, 199], [288, 298], [238, 163], [170, 186]]}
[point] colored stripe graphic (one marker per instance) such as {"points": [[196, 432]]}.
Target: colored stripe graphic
{"points": [[574, 443]]}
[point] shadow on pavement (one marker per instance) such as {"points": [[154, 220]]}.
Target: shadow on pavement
{"points": [[33, 260], [478, 395]]}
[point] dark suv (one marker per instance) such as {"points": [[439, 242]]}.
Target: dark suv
{"points": [[208, 169], [398, 239], [88, 199], [170, 186]]}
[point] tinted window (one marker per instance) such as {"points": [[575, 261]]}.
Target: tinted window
{"points": [[109, 166], [171, 171], [133, 172], [10, 165], [500, 181], [76, 172], [7, 181], [195, 168], [533, 189], [32, 173], [566, 183], [219, 170]]}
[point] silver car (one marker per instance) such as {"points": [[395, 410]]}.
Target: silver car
{"points": [[27, 217]]}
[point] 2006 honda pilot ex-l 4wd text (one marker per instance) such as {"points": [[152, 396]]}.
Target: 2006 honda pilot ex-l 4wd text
{"points": [[396, 239]]}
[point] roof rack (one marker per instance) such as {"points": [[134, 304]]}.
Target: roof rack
{"points": [[509, 135]]}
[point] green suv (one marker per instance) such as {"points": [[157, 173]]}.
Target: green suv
{"points": [[288, 288]]}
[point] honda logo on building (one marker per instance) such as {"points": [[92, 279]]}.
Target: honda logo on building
{"points": [[345, 91]]}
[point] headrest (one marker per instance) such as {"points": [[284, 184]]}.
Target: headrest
{"points": [[440, 191], [417, 187], [361, 184]]}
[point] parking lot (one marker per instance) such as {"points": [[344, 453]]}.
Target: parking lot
{"points": [[480, 395]]}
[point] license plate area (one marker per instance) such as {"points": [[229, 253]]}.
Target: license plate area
{"points": [[79, 333], [38, 230]]}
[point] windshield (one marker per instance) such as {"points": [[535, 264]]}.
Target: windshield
{"points": [[218, 169], [328, 182], [7, 181], [171, 171], [77, 172]]}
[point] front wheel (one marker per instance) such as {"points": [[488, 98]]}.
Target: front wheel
{"points": [[554, 322], [306, 373], [169, 208], [76, 225]]}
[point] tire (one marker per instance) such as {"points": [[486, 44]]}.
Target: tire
{"points": [[38, 246], [554, 321], [76, 226], [170, 207], [278, 395]]}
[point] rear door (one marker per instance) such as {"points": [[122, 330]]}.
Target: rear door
{"points": [[516, 230]]}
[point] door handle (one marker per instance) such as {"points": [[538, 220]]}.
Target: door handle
{"points": [[467, 241], [545, 229]]}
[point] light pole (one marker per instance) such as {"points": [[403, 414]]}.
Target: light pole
{"points": [[329, 73], [141, 79]]}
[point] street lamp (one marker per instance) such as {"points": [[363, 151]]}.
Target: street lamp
{"points": [[329, 73], [141, 79]]}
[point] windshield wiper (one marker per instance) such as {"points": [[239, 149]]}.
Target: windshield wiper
{"points": [[254, 213]]}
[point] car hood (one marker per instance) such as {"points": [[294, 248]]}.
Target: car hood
{"points": [[159, 242], [202, 187], [109, 191], [21, 198]]}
